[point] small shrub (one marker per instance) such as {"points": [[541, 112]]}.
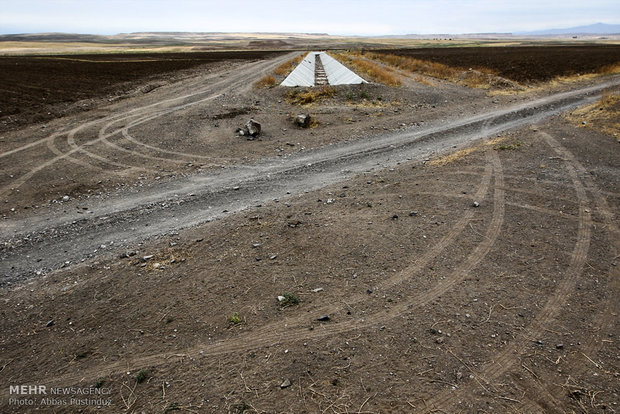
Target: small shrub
{"points": [[308, 96], [141, 376], [290, 299], [173, 406], [99, 382], [265, 82], [508, 147], [235, 319]]}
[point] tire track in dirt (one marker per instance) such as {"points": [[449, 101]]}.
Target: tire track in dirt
{"points": [[237, 80], [605, 316], [248, 70], [506, 359], [282, 332]]}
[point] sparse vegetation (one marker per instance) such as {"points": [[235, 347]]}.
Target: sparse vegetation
{"points": [[240, 408], [309, 95], [99, 382], [141, 376], [370, 69], [479, 78], [287, 67], [173, 406], [290, 299], [508, 147], [235, 319], [603, 115], [265, 82]]}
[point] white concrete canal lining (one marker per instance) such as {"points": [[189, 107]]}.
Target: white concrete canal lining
{"points": [[337, 73]]}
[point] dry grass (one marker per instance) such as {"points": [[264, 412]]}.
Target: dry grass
{"points": [[446, 159], [425, 67], [369, 68], [308, 96], [265, 82], [288, 66], [603, 115], [479, 78]]}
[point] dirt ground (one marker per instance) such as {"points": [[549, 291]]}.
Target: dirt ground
{"points": [[523, 64], [481, 281]]}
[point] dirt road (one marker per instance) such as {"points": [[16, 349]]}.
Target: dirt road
{"points": [[57, 239]]}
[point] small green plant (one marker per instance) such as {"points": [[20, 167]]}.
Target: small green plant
{"points": [[81, 354], [99, 382], [240, 408], [235, 319], [290, 299], [173, 406], [141, 376], [508, 147]]}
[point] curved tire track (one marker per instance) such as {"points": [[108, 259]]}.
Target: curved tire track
{"points": [[273, 334], [505, 360]]}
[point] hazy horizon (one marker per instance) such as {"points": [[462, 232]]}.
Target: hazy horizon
{"points": [[360, 18]]}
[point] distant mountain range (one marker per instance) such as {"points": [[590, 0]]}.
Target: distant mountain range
{"points": [[592, 29]]}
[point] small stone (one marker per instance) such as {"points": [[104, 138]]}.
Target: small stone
{"points": [[317, 290], [302, 120], [285, 384], [413, 213], [395, 217], [49, 323], [281, 298], [323, 318], [440, 340], [560, 346], [476, 204], [66, 198]]}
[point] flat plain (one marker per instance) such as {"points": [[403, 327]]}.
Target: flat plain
{"points": [[428, 247]]}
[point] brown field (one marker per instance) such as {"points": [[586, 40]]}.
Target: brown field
{"points": [[36, 89], [523, 64], [427, 260]]}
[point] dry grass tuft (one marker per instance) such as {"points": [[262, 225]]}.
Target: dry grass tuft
{"points": [[610, 69], [308, 96], [265, 82], [446, 159], [288, 66], [603, 115]]}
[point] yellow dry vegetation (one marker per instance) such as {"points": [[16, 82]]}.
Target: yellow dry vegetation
{"points": [[287, 67], [446, 159], [603, 115], [309, 95], [366, 67], [265, 82], [457, 155], [479, 78]]}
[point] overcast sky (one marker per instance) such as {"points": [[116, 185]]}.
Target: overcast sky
{"points": [[344, 17]]}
